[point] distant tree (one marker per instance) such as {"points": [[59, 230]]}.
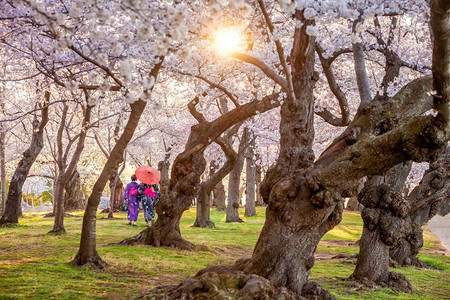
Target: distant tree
{"points": [[13, 202]]}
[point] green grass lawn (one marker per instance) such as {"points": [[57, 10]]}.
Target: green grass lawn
{"points": [[33, 264]]}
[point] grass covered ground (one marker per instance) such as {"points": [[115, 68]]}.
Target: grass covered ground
{"points": [[33, 263]]}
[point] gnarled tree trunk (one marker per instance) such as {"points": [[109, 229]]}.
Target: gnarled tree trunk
{"points": [[383, 215], [13, 207], [429, 198], [203, 199], [186, 171], [294, 224]]}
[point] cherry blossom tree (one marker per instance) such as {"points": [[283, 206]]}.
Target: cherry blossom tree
{"points": [[305, 197]]}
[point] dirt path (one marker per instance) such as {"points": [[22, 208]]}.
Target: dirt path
{"points": [[440, 226]]}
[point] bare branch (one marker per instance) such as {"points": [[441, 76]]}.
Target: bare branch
{"points": [[360, 70], [336, 90], [192, 109], [263, 67], [214, 85], [280, 50]]}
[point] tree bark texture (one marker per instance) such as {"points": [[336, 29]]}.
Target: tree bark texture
{"points": [[384, 212], [164, 168], [73, 196], [13, 207], [234, 181], [294, 224], [429, 198], [250, 173]]}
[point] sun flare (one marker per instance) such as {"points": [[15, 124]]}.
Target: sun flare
{"points": [[227, 41]]}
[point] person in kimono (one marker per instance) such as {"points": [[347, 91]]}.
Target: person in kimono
{"points": [[132, 200], [149, 195]]}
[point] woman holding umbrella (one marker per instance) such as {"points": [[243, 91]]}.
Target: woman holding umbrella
{"points": [[131, 198], [148, 190]]}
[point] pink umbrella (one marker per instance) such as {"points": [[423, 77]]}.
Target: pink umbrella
{"points": [[147, 175]]}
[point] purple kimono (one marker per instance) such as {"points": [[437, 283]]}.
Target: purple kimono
{"points": [[131, 198]]}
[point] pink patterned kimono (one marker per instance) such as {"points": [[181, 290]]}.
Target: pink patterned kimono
{"points": [[131, 198]]}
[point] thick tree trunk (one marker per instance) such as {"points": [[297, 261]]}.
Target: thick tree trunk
{"points": [[87, 253], [431, 197], [234, 181], [294, 224], [13, 207], [203, 210], [384, 212], [204, 194], [373, 258], [73, 197], [250, 173]]}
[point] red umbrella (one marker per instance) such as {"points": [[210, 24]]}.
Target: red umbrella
{"points": [[147, 175]]}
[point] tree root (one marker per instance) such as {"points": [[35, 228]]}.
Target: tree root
{"points": [[416, 262], [313, 290], [395, 281], [4, 222], [221, 282], [226, 282], [239, 220], [204, 224], [66, 215], [150, 237], [95, 261], [57, 232]]}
